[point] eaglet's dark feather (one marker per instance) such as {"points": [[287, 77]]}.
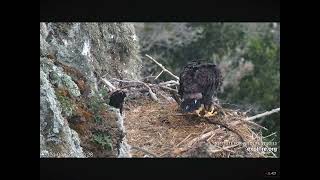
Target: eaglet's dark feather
{"points": [[117, 99], [199, 84]]}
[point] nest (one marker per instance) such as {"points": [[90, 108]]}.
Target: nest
{"points": [[155, 126], [158, 129]]}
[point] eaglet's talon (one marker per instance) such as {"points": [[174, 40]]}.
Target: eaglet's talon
{"points": [[211, 114]]}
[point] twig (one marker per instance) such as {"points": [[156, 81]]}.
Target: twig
{"points": [[169, 83], [192, 142], [127, 81], [180, 114], [104, 75], [225, 126], [274, 155], [130, 86], [163, 68], [147, 77], [253, 134], [170, 89], [143, 150], [150, 85], [225, 148], [201, 138], [158, 75], [152, 94], [263, 114], [184, 139], [249, 119], [110, 86], [253, 123], [210, 137], [247, 110], [165, 153], [270, 135]]}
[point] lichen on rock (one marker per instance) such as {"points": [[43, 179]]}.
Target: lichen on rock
{"points": [[56, 138], [73, 58]]}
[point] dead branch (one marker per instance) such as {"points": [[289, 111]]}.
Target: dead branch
{"points": [[163, 68], [184, 139], [128, 81], [274, 155], [169, 83], [169, 89], [190, 144], [224, 126], [263, 114], [163, 85], [152, 94], [200, 138], [110, 86], [249, 119], [158, 75], [147, 77], [210, 138], [270, 135]]}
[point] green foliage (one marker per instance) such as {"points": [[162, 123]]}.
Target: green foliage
{"points": [[103, 140], [67, 106], [261, 88], [97, 118], [96, 104], [216, 38], [103, 92]]}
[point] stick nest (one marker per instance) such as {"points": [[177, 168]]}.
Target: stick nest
{"points": [[156, 127], [159, 127]]}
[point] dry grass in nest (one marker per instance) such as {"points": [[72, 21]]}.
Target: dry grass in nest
{"points": [[161, 129], [154, 127]]}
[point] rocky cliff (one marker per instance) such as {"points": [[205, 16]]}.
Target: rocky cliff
{"points": [[75, 120]]}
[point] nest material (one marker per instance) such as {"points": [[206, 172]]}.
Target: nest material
{"points": [[160, 128], [156, 127]]}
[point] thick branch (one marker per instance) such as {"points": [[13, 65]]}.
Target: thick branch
{"points": [[263, 114], [163, 68]]}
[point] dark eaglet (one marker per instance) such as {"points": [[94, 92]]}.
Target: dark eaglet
{"points": [[199, 84]]}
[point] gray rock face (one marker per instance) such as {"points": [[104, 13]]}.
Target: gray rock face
{"points": [[101, 48], [72, 50], [56, 138]]}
